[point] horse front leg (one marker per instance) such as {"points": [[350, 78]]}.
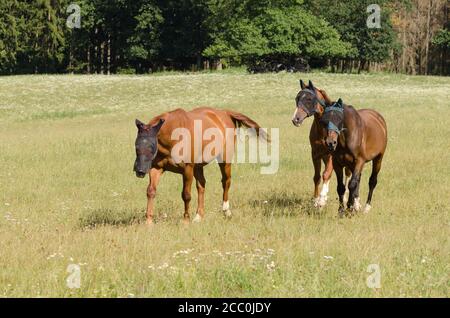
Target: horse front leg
{"points": [[154, 176], [348, 175], [317, 166], [340, 188], [354, 202], [328, 161], [188, 175]]}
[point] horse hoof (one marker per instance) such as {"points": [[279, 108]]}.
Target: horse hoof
{"points": [[356, 205], [322, 202], [227, 214], [367, 208], [316, 202], [149, 223], [197, 218]]}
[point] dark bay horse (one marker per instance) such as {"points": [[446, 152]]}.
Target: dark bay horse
{"points": [[312, 101], [354, 137], [155, 146]]}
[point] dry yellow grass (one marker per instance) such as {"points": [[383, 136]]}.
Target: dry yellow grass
{"points": [[68, 194]]}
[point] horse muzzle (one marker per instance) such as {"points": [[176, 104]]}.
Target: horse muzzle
{"points": [[140, 174], [297, 121], [331, 145]]}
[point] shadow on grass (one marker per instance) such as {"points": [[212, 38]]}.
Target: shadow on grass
{"points": [[286, 205], [106, 216]]}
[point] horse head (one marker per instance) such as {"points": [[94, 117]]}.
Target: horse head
{"points": [[308, 102], [333, 120], [146, 146]]}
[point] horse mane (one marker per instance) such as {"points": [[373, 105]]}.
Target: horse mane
{"points": [[325, 96], [164, 116]]}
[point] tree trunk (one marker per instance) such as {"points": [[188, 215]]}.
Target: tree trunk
{"points": [[89, 59], [96, 50], [361, 66], [108, 56], [427, 37]]}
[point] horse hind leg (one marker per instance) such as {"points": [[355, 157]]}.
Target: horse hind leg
{"points": [[201, 184], [354, 202], [188, 175], [376, 166], [225, 169]]}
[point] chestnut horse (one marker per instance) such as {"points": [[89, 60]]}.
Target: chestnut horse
{"points": [[354, 137], [312, 101], [155, 142]]}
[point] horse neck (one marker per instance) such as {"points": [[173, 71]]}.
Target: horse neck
{"points": [[316, 127], [354, 127], [328, 102], [327, 99]]}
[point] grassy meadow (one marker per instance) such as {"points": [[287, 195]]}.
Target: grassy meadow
{"points": [[68, 194]]}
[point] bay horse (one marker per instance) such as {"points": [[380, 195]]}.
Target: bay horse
{"points": [[155, 143], [354, 137], [312, 101]]}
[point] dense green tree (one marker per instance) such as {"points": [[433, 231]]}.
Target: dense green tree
{"points": [[145, 35], [184, 35], [31, 36], [349, 18], [442, 39], [9, 35], [259, 28], [42, 36], [144, 43]]}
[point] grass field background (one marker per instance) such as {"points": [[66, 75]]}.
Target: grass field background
{"points": [[68, 194]]}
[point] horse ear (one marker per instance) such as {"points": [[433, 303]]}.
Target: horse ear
{"points": [[340, 102], [157, 127], [311, 86], [302, 84], [139, 124]]}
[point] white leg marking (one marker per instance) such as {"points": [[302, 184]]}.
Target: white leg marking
{"points": [[367, 208], [324, 194], [357, 204], [226, 208], [197, 218], [347, 192]]}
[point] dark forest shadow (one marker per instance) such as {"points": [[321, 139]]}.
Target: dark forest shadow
{"points": [[107, 216], [286, 205]]}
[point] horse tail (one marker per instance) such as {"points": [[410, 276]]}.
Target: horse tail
{"points": [[240, 119]]}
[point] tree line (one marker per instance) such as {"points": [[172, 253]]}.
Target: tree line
{"points": [[142, 36]]}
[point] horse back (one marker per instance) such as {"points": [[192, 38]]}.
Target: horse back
{"points": [[195, 123]]}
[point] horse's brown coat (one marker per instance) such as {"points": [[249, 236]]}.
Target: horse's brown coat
{"points": [[364, 139], [179, 118], [319, 150]]}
